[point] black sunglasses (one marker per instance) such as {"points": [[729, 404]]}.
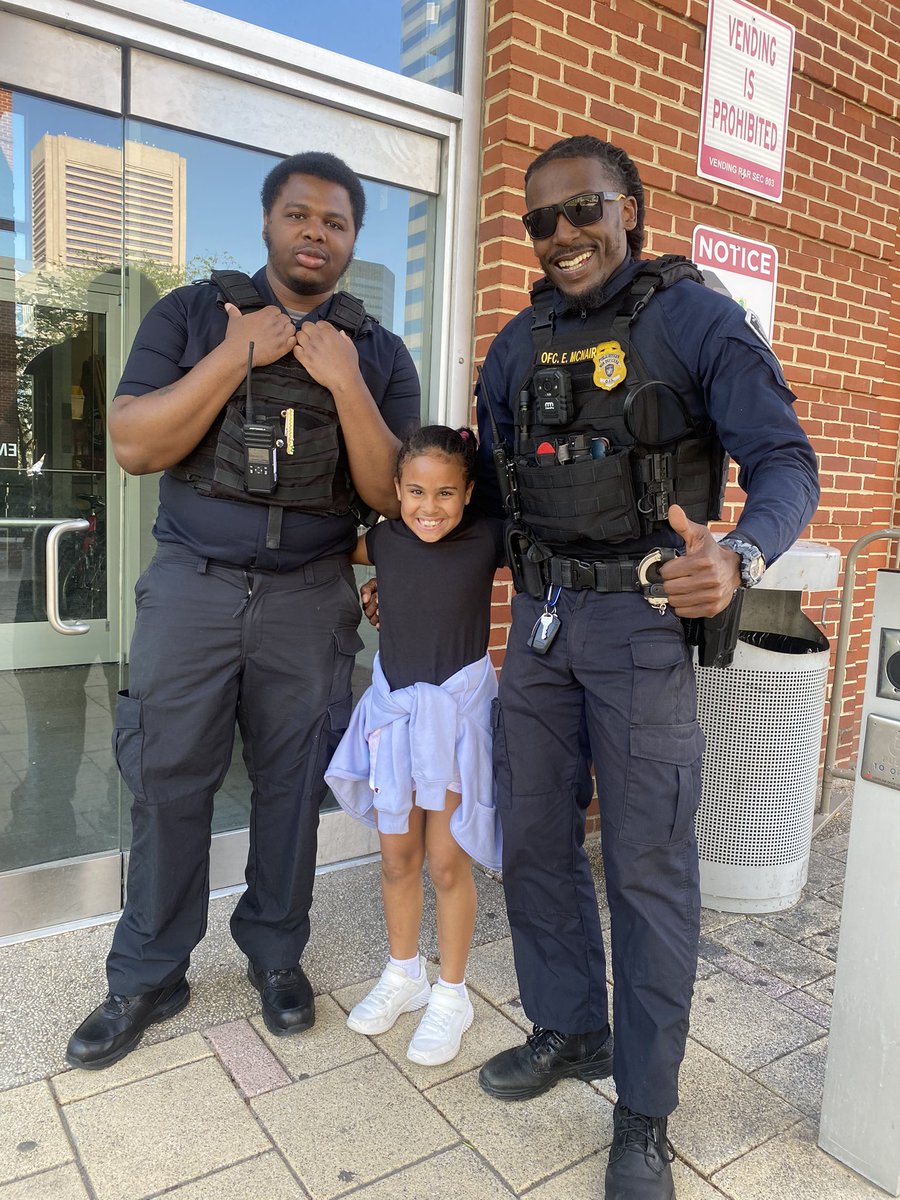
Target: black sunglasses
{"points": [[583, 209]]}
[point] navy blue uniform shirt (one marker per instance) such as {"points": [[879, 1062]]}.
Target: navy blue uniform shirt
{"points": [[180, 330], [699, 342]]}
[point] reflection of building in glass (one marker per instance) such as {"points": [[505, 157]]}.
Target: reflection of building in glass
{"points": [[416, 264], [374, 285], [77, 202], [428, 41], [7, 307]]}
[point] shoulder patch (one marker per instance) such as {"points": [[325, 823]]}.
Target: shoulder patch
{"points": [[753, 322]]}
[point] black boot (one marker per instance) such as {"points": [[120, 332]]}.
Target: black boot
{"points": [[116, 1027], [288, 1005], [640, 1158], [546, 1057]]}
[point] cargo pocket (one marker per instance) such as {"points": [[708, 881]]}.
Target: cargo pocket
{"points": [[663, 788], [663, 685], [347, 643], [128, 743], [500, 756]]}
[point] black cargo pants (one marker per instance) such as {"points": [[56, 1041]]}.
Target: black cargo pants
{"points": [[619, 677], [214, 644]]}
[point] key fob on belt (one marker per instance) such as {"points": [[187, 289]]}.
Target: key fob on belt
{"points": [[546, 627]]}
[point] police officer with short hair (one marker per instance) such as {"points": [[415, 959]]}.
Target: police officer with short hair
{"points": [[274, 407], [617, 393]]}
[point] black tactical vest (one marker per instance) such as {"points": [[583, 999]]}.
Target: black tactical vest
{"points": [[315, 478], [603, 449]]}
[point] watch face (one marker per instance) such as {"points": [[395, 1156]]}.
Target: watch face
{"points": [[755, 567]]}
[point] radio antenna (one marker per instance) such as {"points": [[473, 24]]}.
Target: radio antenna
{"points": [[249, 412]]}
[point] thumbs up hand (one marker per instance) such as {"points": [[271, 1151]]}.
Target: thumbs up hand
{"points": [[702, 580]]}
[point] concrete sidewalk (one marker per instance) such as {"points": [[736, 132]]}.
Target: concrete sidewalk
{"points": [[211, 1107]]}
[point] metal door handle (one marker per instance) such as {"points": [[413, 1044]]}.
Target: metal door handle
{"points": [[74, 526]]}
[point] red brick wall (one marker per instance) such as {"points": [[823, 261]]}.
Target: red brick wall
{"points": [[632, 72]]}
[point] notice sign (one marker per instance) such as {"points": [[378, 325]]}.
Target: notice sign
{"points": [[743, 268], [746, 95]]}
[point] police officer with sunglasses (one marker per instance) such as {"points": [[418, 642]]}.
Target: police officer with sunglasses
{"points": [[611, 403]]}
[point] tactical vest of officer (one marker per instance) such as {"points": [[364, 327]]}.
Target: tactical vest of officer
{"points": [[312, 474], [601, 448]]}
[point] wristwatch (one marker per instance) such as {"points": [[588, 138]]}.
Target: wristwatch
{"points": [[753, 565]]}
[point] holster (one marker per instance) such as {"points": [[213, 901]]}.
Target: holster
{"points": [[716, 637], [525, 556]]}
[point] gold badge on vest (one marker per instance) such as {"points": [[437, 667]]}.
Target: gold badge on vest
{"points": [[609, 365]]}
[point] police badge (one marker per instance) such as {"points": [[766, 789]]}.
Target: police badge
{"points": [[609, 365]]}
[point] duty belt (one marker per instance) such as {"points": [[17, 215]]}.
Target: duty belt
{"points": [[616, 575]]}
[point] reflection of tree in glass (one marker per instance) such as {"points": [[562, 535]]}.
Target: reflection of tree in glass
{"points": [[53, 306]]}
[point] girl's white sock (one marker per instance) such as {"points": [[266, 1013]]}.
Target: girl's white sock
{"points": [[412, 966], [459, 988]]}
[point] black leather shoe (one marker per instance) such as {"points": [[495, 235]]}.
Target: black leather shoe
{"points": [[115, 1028], [287, 999], [546, 1057], [640, 1158]]}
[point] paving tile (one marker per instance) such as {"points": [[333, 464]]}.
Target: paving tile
{"points": [[246, 1057], [811, 917], [531, 1139], [824, 872], [490, 1033], [585, 1182], [799, 1076], [32, 1137], [834, 894], [327, 1045], [743, 1025], [774, 952], [457, 1173], [60, 1183], [140, 1064], [263, 1178], [516, 1013], [492, 972], [711, 919], [822, 989], [181, 1125], [722, 1113], [807, 1006], [705, 967], [740, 968], [825, 942], [352, 1125], [835, 844], [793, 1166]]}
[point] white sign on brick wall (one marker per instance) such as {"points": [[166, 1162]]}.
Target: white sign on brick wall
{"points": [[746, 98], [742, 267]]}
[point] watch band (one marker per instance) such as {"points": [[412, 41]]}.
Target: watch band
{"points": [[753, 565]]}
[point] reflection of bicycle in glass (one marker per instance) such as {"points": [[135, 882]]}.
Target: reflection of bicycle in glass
{"points": [[83, 590]]}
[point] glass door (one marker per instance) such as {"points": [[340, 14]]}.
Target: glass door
{"points": [[101, 214], [60, 349]]}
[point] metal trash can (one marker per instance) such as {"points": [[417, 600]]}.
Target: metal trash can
{"points": [[763, 718]]}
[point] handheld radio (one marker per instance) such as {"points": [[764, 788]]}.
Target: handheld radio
{"points": [[260, 466]]}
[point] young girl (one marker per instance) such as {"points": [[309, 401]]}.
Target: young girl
{"points": [[416, 758]]}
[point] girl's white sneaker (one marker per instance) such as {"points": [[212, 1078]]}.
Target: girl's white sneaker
{"points": [[393, 994], [440, 1031]]}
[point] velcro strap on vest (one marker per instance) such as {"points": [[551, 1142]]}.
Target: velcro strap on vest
{"points": [[237, 288], [619, 575]]}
